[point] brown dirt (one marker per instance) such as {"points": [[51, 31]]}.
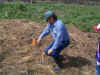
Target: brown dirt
{"points": [[18, 57]]}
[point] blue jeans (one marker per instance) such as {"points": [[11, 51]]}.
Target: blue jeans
{"points": [[56, 53], [97, 70]]}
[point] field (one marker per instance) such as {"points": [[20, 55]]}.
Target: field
{"points": [[20, 22], [82, 16]]}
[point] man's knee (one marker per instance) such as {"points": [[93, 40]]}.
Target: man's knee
{"points": [[46, 52]]}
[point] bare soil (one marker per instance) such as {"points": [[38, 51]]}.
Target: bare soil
{"points": [[19, 57]]}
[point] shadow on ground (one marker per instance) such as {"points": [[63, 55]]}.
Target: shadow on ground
{"points": [[77, 62]]}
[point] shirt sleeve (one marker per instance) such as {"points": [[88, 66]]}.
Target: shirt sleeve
{"points": [[59, 33], [98, 59], [98, 53], [45, 32]]}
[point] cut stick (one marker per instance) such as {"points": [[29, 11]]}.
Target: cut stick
{"points": [[34, 42], [43, 58]]}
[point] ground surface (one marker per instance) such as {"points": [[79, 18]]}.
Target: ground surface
{"points": [[18, 57], [82, 16]]}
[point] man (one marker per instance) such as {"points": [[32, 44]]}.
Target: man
{"points": [[97, 28], [57, 29], [98, 59]]}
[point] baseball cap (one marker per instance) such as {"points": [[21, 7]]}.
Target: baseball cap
{"points": [[97, 27], [48, 14]]}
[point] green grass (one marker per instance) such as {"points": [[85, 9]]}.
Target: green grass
{"points": [[81, 16]]}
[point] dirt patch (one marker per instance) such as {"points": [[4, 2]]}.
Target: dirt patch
{"points": [[18, 57]]}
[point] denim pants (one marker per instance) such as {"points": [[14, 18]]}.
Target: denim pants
{"points": [[56, 53], [97, 70]]}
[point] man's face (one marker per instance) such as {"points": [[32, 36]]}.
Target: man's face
{"points": [[51, 20]]}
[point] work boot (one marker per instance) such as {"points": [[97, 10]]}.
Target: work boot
{"points": [[57, 68]]}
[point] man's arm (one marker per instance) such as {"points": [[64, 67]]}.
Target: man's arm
{"points": [[59, 35], [55, 45], [98, 61], [45, 32], [59, 31]]}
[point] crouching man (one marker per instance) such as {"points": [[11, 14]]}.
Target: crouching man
{"points": [[57, 29]]}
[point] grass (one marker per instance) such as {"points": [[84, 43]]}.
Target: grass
{"points": [[82, 16]]}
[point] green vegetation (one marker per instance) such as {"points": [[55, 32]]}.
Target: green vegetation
{"points": [[82, 16]]}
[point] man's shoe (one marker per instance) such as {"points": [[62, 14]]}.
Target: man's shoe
{"points": [[57, 68]]}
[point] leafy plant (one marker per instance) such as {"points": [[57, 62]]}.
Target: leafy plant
{"points": [[81, 16]]}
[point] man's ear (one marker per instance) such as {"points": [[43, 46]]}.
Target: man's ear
{"points": [[54, 12]]}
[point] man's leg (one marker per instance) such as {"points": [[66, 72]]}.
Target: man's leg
{"points": [[56, 54], [58, 50], [97, 70], [46, 52]]}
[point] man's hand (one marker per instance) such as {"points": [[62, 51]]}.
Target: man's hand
{"points": [[50, 51], [98, 63], [38, 41]]}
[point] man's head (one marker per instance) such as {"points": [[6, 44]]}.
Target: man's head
{"points": [[50, 17]]}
